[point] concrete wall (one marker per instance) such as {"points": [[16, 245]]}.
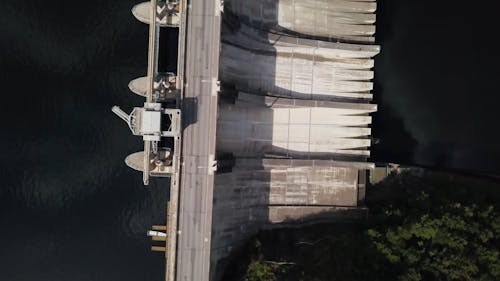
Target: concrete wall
{"points": [[253, 131], [289, 74], [285, 66], [340, 19], [258, 193], [299, 96]]}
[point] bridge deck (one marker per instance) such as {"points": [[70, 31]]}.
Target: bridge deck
{"points": [[199, 107]]}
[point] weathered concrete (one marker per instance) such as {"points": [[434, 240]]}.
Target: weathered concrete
{"points": [[262, 192], [296, 115], [276, 163], [301, 68], [247, 37], [339, 19], [247, 129], [247, 100], [280, 216]]}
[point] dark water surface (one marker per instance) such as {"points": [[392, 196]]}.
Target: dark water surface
{"points": [[437, 84], [69, 207]]}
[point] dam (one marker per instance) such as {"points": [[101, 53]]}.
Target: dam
{"points": [[265, 124]]}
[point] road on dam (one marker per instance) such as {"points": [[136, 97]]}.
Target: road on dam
{"points": [[199, 107]]}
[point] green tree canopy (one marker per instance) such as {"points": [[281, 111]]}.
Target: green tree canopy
{"points": [[453, 242]]}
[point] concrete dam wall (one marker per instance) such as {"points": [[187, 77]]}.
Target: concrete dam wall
{"points": [[295, 118], [258, 62], [348, 20], [250, 130]]}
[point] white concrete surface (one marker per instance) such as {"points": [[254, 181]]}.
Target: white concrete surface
{"points": [[339, 19], [299, 132]]}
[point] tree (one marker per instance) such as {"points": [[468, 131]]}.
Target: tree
{"points": [[443, 242], [258, 270]]}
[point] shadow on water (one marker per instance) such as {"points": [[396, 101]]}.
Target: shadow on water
{"points": [[438, 74], [169, 36], [395, 142]]}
